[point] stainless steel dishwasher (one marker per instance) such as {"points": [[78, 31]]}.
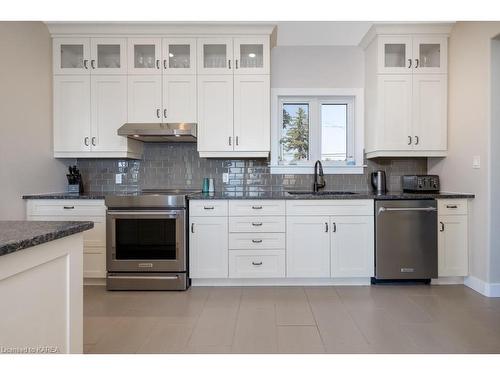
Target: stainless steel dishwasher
{"points": [[406, 240]]}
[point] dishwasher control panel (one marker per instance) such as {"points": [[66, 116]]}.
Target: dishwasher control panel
{"points": [[420, 183]]}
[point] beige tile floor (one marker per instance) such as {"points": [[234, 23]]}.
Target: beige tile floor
{"points": [[348, 319]]}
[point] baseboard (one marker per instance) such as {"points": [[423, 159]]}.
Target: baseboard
{"points": [[94, 281], [452, 280], [281, 282], [480, 286]]}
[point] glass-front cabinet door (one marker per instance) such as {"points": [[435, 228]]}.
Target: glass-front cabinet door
{"points": [[71, 55], [215, 56], [430, 54], [144, 55], [251, 55], [395, 55], [108, 55], [179, 56]]}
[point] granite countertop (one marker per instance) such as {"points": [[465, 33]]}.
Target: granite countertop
{"points": [[357, 195], [19, 235], [65, 195]]}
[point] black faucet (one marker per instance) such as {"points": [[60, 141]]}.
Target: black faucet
{"points": [[319, 183]]}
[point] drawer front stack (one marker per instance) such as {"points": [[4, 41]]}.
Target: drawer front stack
{"points": [[257, 239]]}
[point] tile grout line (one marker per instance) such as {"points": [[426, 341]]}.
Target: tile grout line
{"points": [[236, 320], [315, 320], [197, 319]]}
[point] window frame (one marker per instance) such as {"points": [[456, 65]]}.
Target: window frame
{"points": [[353, 97]]}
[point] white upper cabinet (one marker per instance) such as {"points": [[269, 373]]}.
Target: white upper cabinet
{"points": [[251, 55], [429, 128], [108, 56], [215, 56], [394, 54], [144, 98], [406, 54], [144, 55], [71, 114], [430, 54], [179, 55], [251, 113], [71, 55], [179, 98], [215, 113]]}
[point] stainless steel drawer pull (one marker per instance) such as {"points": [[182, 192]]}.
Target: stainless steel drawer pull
{"points": [[192, 227], [208, 207], [326, 227], [257, 263], [69, 207], [257, 207], [257, 224], [451, 206], [257, 241], [144, 277], [334, 227]]}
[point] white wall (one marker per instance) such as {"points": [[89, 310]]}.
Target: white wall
{"points": [[469, 134], [317, 66], [26, 162]]}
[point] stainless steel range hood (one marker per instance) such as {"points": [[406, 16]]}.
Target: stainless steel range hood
{"points": [[157, 132]]}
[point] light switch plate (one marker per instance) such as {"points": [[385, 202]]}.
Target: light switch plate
{"points": [[118, 178], [476, 162], [225, 178]]}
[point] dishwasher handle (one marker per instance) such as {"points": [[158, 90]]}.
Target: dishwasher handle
{"points": [[399, 209]]}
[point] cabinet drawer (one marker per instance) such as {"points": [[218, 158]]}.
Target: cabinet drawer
{"points": [[208, 208], [66, 207], [256, 207], [452, 206], [258, 263], [257, 224], [249, 241], [350, 207]]}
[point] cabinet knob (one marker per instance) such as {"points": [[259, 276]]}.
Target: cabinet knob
{"points": [[257, 263], [257, 241], [257, 224]]}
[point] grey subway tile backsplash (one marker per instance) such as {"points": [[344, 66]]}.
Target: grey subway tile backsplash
{"points": [[179, 166]]}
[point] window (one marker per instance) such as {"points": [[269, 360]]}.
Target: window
{"points": [[317, 127]]}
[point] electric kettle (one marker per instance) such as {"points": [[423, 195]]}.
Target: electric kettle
{"points": [[378, 182]]}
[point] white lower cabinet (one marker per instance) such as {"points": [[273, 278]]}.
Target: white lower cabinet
{"points": [[453, 255], [208, 247], [94, 240], [308, 246], [352, 246], [256, 263]]}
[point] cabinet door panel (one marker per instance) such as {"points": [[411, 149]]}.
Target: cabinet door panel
{"points": [[179, 98], [71, 55], [208, 247], [109, 112], [395, 112], [308, 246], [251, 55], [453, 258], [144, 98], [71, 113], [179, 55], [430, 54], [395, 55], [108, 56], [215, 113], [352, 246], [144, 55], [252, 129], [215, 56], [430, 112]]}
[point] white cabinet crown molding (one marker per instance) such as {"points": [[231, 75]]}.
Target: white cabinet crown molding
{"points": [[164, 28], [414, 28]]}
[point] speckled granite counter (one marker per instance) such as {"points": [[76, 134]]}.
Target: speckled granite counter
{"points": [[65, 196], [326, 195], [18, 235]]}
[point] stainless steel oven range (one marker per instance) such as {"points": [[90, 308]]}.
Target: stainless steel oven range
{"points": [[146, 241]]}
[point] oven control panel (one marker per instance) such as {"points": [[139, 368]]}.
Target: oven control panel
{"points": [[421, 183]]}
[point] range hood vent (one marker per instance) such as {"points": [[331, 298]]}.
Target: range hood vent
{"points": [[158, 132]]}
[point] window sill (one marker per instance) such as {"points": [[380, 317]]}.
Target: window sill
{"points": [[309, 169]]}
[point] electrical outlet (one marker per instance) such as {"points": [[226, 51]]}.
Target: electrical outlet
{"points": [[225, 178], [118, 178], [476, 162]]}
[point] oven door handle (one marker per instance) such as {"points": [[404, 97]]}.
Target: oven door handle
{"points": [[144, 213], [145, 277], [425, 209]]}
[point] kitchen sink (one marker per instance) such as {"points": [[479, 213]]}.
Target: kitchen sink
{"points": [[321, 192]]}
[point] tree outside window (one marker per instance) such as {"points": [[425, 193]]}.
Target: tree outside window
{"points": [[295, 132]]}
